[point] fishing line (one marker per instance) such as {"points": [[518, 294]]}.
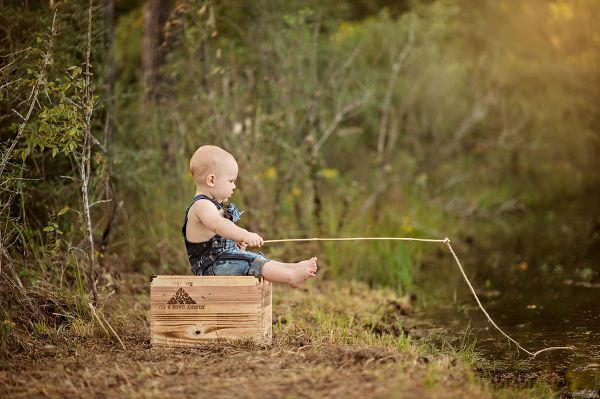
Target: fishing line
{"points": [[445, 241]]}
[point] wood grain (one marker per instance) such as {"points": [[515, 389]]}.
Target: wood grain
{"points": [[187, 310]]}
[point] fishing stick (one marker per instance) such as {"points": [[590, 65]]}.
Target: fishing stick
{"points": [[446, 241]]}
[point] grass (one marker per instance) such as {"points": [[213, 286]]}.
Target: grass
{"points": [[331, 338]]}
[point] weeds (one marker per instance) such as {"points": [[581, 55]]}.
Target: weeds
{"points": [[296, 96], [324, 345]]}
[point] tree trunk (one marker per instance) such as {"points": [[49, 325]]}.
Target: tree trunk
{"points": [[108, 14], [155, 16]]}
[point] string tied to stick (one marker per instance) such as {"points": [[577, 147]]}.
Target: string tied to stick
{"points": [[445, 241]]}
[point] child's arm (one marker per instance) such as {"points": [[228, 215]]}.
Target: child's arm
{"points": [[210, 217]]}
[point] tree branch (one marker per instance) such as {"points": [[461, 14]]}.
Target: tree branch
{"points": [[385, 111], [33, 96]]}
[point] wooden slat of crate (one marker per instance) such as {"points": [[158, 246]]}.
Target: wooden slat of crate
{"points": [[266, 317], [224, 307]]}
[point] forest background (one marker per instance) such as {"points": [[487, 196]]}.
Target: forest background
{"points": [[348, 118]]}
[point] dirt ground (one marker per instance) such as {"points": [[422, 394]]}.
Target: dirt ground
{"points": [[320, 349], [231, 371]]}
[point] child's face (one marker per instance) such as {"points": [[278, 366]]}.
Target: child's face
{"points": [[223, 183]]}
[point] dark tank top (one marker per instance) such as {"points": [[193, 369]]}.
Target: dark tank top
{"points": [[203, 254]]}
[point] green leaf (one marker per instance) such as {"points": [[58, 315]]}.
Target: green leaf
{"points": [[64, 210], [25, 153], [76, 72]]}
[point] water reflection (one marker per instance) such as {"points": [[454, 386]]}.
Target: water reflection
{"points": [[540, 288]]}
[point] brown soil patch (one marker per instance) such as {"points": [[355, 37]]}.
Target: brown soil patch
{"points": [[330, 341]]}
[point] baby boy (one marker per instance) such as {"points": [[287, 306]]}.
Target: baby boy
{"points": [[214, 243]]}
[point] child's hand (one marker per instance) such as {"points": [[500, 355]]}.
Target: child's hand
{"points": [[241, 245], [253, 240]]}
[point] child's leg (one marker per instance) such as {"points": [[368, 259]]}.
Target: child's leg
{"points": [[293, 274], [244, 263]]}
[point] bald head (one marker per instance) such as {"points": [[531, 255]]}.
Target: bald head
{"points": [[206, 160]]}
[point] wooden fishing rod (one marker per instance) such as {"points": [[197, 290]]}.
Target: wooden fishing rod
{"points": [[446, 241]]}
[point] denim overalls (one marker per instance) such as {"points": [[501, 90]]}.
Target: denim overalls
{"points": [[220, 256]]}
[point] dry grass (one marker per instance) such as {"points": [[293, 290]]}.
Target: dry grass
{"points": [[330, 341]]}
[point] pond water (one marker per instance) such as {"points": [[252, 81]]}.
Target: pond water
{"points": [[539, 279]]}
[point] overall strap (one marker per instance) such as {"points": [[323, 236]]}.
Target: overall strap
{"points": [[202, 196], [197, 198]]}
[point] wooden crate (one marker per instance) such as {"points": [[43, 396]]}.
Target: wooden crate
{"points": [[186, 310]]}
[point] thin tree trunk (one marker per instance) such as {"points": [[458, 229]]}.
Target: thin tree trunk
{"points": [[85, 159], [155, 16], [108, 13]]}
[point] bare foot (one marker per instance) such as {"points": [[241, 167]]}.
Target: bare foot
{"points": [[294, 266], [303, 270]]}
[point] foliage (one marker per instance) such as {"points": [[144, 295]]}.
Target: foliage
{"points": [[42, 175], [348, 119]]}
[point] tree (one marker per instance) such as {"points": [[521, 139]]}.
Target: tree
{"points": [[155, 16]]}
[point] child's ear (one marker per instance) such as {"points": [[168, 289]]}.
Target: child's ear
{"points": [[210, 180]]}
